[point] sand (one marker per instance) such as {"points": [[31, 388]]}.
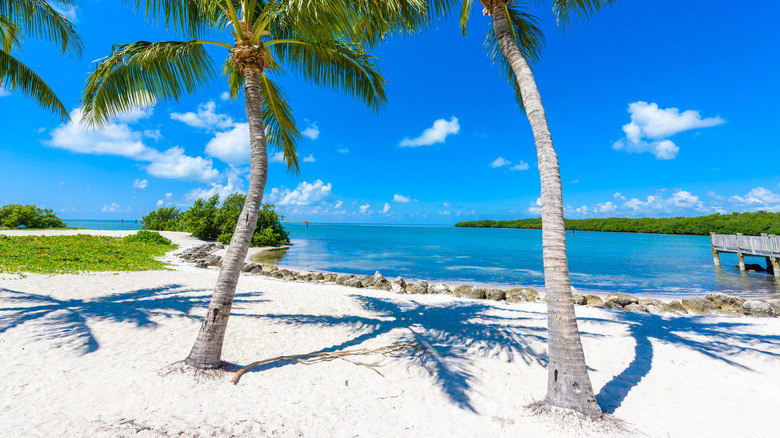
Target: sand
{"points": [[88, 355]]}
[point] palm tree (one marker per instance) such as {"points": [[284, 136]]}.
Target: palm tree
{"points": [[318, 39], [33, 18], [513, 40]]}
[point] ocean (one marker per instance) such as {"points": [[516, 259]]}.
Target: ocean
{"points": [[650, 265]]}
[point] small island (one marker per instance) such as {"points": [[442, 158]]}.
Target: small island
{"points": [[745, 223]]}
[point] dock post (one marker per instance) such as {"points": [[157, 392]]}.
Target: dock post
{"points": [[715, 255], [739, 253], [776, 267]]}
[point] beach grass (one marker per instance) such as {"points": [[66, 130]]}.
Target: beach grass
{"points": [[75, 254]]}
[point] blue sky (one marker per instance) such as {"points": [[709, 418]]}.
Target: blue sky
{"points": [[662, 108]]}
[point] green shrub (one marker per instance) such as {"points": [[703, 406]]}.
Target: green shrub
{"points": [[162, 219], [150, 237], [207, 219], [29, 216]]}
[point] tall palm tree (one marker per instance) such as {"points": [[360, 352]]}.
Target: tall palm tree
{"points": [[38, 19], [321, 40], [513, 40]]}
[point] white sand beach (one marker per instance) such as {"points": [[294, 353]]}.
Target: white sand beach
{"points": [[86, 355]]}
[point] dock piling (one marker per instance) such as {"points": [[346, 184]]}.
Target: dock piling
{"points": [[765, 245]]}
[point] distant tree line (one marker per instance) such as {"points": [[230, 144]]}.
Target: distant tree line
{"points": [[745, 223], [28, 216], [207, 219]]}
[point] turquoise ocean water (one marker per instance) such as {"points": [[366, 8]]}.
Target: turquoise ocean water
{"points": [[640, 264]]}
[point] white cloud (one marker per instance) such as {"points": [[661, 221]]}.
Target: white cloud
{"points": [[225, 95], [68, 12], [140, 184], [4, 92], [154, 134], [344, 151], [135, 115], [386, 208], [760, 198], [401, 198], [499, 162], [305, 194], [535, 207], [444, 213], [522, 165], [115, 208], [436, 134], [309, 159], [650, 122], [446, 204], [166, 202], [119, 139], [714, 195], [205, 118], [231, 146], [364, 209], [312, 131], [276, 157], [233, 185], [619, 195], [338, 204]]}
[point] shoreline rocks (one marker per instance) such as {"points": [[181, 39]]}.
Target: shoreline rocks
{"points": [[711, 304]]}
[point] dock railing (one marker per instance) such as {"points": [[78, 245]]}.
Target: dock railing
{"points": [[767, 246]]}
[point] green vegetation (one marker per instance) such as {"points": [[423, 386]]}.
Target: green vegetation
{"points": [[148, 237], [207, 219], [746, 223], [28, 216], [74, 254]]}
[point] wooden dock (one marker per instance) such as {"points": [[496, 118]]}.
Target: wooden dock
{"points": [[767, 246]]}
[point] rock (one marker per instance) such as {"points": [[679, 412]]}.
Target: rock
{"points": [[353, 281], [725, 303], [286, 273], [378, 275], [698, 306], [754, 267], [397, 288], [758, 308], [579, 299], [270, 268], [495, 294], [651, 302], [775, 305], [439, 288], [367, 280], [342, 278], [594, 300], [622, 299], [419, 287], [518, 295], [330, 277], [614, 305], [676, 307], [249, 266], [655, 309], [466, 291], [382, 284], [318, 276], [635, 307]]}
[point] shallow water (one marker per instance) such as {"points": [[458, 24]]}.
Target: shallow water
{"points": [[104, 225], [641, 264]]}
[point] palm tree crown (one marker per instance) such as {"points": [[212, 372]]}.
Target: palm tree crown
{"points": [[37, 19]]}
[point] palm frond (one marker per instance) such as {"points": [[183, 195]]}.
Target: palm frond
{"points": [[15, 76], [583, 9], [527, 35], [334, 64], [279, 122], [10, 34], [192, 17], [144, 73], [38, 19], [465, 14]]}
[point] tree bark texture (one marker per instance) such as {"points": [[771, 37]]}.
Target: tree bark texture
{"points": [[568, 383], [207, 350]]}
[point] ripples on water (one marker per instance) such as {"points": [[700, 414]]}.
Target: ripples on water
{"points": [[641, 264]]}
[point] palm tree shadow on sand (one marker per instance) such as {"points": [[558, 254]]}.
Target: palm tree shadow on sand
{"points": [[65, 322], [451, 333], [718, 340]]}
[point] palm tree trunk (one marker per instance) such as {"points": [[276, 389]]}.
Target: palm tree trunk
{"points": [[207, 351], [568, 383]]}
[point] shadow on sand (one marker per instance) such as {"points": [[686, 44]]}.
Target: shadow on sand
{"points": [[66, 321]]}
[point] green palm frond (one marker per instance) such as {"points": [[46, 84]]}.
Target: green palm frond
{"points": [[10, 35], [188, 16], [142, 74], [336, 65], [465, 14], [38, 19], [279, 122], [583, 9], [527, 35], [15, 76]]}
